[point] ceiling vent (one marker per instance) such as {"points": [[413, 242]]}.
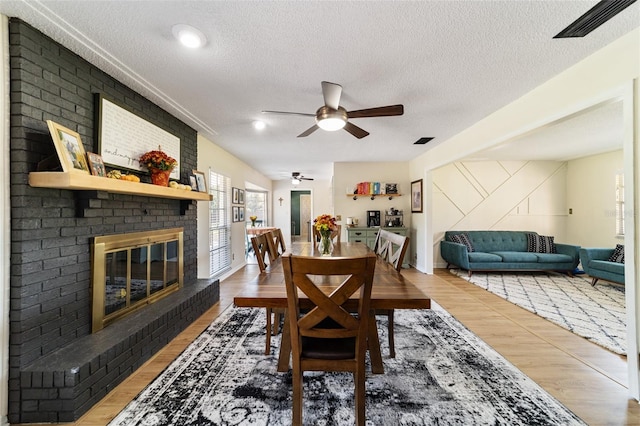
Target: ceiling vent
{"points": [[596, 16], [422, 141]]}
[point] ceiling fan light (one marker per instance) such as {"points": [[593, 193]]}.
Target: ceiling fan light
{"points": [[295, 181], [331, 124], [331, 119]]}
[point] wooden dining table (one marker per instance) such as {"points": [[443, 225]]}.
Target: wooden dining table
{"points": [[391, 290], [260, 230]]}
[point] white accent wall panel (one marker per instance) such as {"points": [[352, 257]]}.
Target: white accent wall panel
{"points": [[495, 195]]}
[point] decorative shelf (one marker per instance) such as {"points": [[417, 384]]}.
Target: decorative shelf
{"points": [[82, 182], [373, 196]]}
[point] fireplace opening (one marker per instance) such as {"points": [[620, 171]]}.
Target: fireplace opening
{"points": [[130, 271]]}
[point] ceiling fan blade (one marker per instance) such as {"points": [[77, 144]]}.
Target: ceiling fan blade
{"points": [[331, 93], [308, 131], [385, 111], [355, 130], [304, 178], [289, 113]]}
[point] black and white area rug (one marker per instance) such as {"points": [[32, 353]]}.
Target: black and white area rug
{"points": [[442, 375], [595, 313]]}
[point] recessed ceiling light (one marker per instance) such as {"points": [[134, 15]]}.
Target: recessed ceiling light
{"points": [[259, 125], [189, 36]]}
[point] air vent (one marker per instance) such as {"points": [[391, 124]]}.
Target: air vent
{"points": [[596, 16], [422, 141]]}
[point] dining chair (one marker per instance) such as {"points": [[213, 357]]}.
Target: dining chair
{"points": [[279, 241], [263, 248], [391, 247], [327, 337]]}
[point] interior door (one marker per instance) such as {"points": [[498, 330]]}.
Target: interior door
{"points": [[305, 217]]}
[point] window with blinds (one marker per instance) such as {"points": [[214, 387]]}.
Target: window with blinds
{"points": [[219, 223], [619, 204]]}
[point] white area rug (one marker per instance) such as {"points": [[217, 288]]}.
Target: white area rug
{"points": [[595, 313]]}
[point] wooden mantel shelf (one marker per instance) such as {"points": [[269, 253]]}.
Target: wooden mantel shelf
{"points": [[82, 182]]}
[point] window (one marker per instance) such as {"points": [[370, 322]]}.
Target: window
{"points": [[256, 205], [219, 223], [620, 204]]}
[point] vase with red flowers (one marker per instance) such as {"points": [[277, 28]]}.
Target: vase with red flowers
{"points": [[160, 166]]}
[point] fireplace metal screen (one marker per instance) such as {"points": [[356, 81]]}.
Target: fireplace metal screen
{"points": [[132, 270]]}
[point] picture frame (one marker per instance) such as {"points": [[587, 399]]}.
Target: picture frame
{"points": [[391, 188], [240, 196], [96, 164], [201, 181], [240, 214], [416, 196], [193, 183], [73, 158], [235, 213], [234, 195]]}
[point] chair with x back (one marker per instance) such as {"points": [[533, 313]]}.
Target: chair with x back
{"points": [[327, 337], [279, 241], [261, 250], [392, 248], [262, 247]]}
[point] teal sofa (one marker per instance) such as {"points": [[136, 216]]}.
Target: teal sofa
{"points": [[596, 264], [505, 250]]}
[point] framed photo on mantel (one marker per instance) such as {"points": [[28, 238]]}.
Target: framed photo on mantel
{"points": [[69, 147]]}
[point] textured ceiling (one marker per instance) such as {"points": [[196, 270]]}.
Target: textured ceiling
{"points": [[451, 63]]}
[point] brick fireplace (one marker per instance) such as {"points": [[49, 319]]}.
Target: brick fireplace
{"points": [[58, 368]]}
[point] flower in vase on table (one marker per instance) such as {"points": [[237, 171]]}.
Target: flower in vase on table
{"points": [[325, 224]]}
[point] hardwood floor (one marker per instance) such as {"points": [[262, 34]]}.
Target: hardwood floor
{"points": [[586, 378]]}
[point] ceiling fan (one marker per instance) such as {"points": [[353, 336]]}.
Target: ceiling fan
{"points": [[331, 116], [296, 178]]}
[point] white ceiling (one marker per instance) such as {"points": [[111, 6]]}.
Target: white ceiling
{"points": [[451, 63]]}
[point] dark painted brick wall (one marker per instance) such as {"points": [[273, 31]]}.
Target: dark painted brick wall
{"points": [[50, 253]]}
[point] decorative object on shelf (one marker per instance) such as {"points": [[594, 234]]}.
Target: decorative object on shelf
{"points": [[325, 224], [253, 221], [193, 182], [160, 166], [416, 196], [96, 164], [123, 136], [201, 181], [69, 148]]}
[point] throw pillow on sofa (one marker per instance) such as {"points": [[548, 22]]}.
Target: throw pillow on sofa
{"points": [[540, 244], [463, 239], [618, 254]]}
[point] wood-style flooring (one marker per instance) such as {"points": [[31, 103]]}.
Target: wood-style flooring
{"points": [[589, 380]]}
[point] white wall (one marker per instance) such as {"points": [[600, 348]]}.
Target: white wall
{"points": [[5, 214], [212, 157], [591, 197], [347, 174], [322, 202], [499, 195]]}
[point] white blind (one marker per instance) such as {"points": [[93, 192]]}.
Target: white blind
{"points": [[219, 223], [619, 204]]}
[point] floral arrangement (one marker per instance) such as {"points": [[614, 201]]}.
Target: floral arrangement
{"points": [[325, 224], [157, 160], [253, 220]]}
